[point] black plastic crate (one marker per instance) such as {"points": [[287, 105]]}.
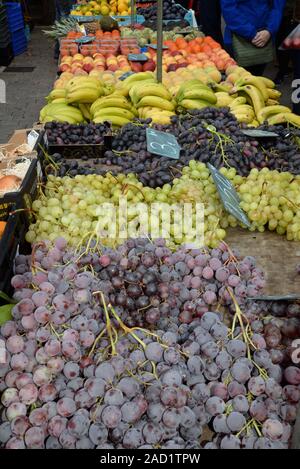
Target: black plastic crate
{"points": [[80, 150], [5, 39], [24, 197], [12, 242], [6, 55]]}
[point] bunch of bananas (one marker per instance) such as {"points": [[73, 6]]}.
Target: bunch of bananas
{"points": [[115, 109], [123, 87], [61, 112], [195, 95], [154, 101], [150, 99], [83, 90], [260, 100]]}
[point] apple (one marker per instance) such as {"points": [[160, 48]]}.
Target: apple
{"points": [[78, 57], [88, 67], [64, 68], [79, 71]]}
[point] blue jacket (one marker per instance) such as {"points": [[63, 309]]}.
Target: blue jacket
{"points": [[247, 17]]}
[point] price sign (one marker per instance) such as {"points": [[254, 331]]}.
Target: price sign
{"points": [[154, 46], [276, 298], [137, 57], [256, 133], [32, 138], [125, 75], [85, 39], [162, 144], [228, 196]]}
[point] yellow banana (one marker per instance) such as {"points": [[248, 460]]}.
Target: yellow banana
{"points": [[223, 99], [84, 95], [155, 101], [237, 102], [254, 123], [84, 80], [272, 102], [61, 118], [115, 120], [139, 91], [158, 118], [189, 85], [199, 93], [280, 118], [293, 119], [59, 100], [255, 95], [85, 110], [111, 101], [269, 83], [244, 117], [114, 111], [137, 77], [255, 81], [54, 107], [194, 104], [269, 111], [56, 94], [274, 94]]}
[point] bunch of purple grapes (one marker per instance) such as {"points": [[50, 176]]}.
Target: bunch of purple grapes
{"points": [[145, 281], [61, 387]]}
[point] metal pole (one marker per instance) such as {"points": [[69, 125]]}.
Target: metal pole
{"points": [[159, 51], [132, 7]]}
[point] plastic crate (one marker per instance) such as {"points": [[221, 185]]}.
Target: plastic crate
{"points": [[19, 42], [6, 55], [24, 197], [14, 16], [75, 150], [11, 242], [5, 40]]}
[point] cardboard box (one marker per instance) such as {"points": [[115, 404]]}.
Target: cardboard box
{"points": [[18, 138]]}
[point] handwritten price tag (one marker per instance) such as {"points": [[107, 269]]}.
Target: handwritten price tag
{"points": [[228, 196], [137, 57], [162, 144]]}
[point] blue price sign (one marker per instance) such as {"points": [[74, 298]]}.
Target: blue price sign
{"points": [[154, 46], [85, 39], [162, 144], [137, 57], [228, 195], [125, 75], [257, 133]]}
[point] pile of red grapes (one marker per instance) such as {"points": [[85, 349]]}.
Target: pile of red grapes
{"points": [[85, 369]]}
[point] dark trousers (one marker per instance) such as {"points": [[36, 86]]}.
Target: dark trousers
{"points": [[296, 65], [208, 15], [284, 57]]}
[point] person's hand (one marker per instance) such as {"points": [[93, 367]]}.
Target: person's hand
{"points": [[261, 38]]}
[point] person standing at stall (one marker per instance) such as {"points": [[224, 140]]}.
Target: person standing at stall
{"points": [[286, 27], [296, 59], [251, 26], [208, 16]]}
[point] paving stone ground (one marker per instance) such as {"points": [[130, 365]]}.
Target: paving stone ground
{"points": [[25, 92]]}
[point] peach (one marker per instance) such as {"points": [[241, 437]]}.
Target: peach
{"points": [[67, 59], [96, 73], [78, 57], [65, 68], [88, 60], [88, 67], [66, 76], [112, 67], [79, 71]]}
